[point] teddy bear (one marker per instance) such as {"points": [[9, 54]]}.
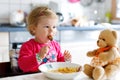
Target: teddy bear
{"points": [[105, 60]]}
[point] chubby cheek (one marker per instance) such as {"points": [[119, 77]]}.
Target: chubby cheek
{"points": [[101, 43], [42, 37], [54, 33]]}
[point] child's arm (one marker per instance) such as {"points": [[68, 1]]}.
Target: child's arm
{"points": [[27, 59]]}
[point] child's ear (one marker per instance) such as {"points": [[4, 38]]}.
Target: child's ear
{"points": [[32, 29]]}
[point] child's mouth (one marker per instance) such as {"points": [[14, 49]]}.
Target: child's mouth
{"points": [[50, 37]]}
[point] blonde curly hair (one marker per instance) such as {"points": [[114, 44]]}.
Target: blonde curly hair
{"points": [[37, 14]]}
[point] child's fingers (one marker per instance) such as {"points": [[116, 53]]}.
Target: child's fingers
{"points": [[44, 50], [67, 54]]}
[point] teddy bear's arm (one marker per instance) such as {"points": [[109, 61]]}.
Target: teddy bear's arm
{"points": [[91, 53], [109, 55]]}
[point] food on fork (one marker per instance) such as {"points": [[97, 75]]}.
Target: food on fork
{"points": [[50, 37]]}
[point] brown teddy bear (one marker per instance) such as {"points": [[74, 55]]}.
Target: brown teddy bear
{"points": [[106, 59]]}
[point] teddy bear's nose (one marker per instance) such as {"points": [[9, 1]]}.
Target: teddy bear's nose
{"points": [[97, 41]]}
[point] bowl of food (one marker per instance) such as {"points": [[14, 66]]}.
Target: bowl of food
{"points": [[60, 70]]}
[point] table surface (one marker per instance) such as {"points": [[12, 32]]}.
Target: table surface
{"points": [[41, 76]]}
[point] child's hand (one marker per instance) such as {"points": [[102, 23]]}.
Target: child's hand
{"points": [[67, 55], [44, 50]]}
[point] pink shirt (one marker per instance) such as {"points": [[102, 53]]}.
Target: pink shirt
{"points": [[27, 60]]}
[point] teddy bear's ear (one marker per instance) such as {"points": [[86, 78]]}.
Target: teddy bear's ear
{"points": [[114, 34]]}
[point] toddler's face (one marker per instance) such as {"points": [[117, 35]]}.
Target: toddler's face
{"points": [[45, 27]]}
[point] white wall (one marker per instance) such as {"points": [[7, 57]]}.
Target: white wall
{"points": [[79, 43], [4, 47], [8, 6]]}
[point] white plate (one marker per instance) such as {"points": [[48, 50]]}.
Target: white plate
{"points": [[45, 69]]}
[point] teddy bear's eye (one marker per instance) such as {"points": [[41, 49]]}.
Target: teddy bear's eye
{"points": [[103, 39]]}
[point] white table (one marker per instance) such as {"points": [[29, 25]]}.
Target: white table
{"points": [[41, 76]]}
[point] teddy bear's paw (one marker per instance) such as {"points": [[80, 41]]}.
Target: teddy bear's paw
{"points": [[98, 73], [88, 70], [111, 70], [91, 53]]}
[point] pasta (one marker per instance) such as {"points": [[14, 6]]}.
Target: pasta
{"points": [[67, 69]]}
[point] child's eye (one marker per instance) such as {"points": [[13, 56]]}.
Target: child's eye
{"points": [[54, 26], [46, 26]]}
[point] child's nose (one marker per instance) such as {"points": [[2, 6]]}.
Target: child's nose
{"points": [[51, 29]]}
